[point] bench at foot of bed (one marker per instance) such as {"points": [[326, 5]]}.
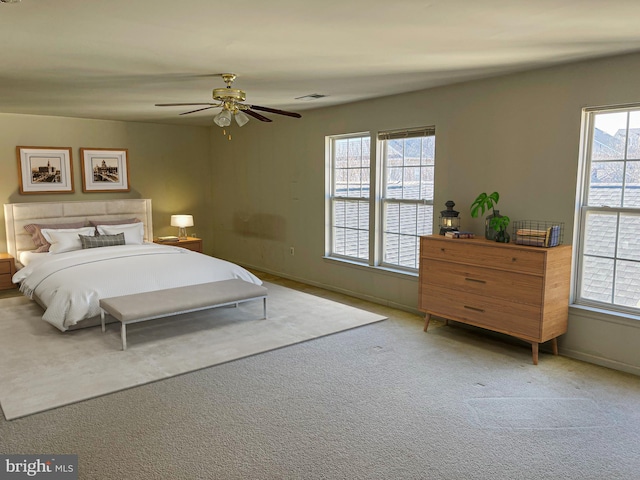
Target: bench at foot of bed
{"points": [[140, 307]]}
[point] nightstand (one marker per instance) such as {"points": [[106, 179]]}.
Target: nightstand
{"points": [[190, 243], [7, 269]]}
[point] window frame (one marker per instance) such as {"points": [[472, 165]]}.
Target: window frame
{"points": [[385, 201], [331, 198], [583, 209], [377, 202]]}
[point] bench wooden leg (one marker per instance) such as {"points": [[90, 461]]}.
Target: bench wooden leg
{"points": [[534, 352], [265, 307], [123, 335]]}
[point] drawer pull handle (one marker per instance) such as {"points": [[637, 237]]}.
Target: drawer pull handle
{"points": [[513, 259], [474, 280], [474, 308], [442, 249]]}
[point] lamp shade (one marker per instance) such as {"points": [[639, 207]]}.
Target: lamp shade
{"points": [[223, 119], [241, 118], [182, 221]]}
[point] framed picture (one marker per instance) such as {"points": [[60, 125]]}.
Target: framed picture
{"points": [[105, 170], [45, 169]]}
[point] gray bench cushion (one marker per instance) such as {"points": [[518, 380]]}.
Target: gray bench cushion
{"points": [[159, 303]]}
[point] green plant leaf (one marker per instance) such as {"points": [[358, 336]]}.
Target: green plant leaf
{"points": [[484, 202], [478, 203], [500, 224]]}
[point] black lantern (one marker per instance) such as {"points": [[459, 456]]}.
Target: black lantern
{"points": [[449, 219]]}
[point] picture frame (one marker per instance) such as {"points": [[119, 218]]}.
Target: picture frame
{"points": [[45, 170], [105, 169]]}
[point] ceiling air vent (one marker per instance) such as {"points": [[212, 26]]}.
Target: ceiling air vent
{"points": [[310, 97]]}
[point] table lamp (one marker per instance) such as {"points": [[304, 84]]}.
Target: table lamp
{"points": [[182, 222]]}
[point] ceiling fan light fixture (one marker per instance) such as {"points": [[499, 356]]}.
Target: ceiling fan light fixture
{"points": [[223, 119], [241, 118], [230, 99]]}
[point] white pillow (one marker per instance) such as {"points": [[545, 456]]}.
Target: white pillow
{"points": [[133, 232], [66, 239]]}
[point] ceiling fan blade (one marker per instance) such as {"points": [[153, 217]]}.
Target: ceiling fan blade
{"points": [[181, 104], [199, 110], [273, 110], [262, 118]]}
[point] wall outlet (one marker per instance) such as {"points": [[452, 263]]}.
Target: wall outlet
{"points": [[292, 251]]}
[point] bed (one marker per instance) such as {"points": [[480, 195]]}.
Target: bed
{"points": [[69, 284]]}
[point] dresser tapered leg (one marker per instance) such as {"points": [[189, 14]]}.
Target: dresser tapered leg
{"points": [[534, 352], [554, 345], [427, 317]]}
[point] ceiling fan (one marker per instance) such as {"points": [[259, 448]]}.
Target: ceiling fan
{"points": [[230, 100]]}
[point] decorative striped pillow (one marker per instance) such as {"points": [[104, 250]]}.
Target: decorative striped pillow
{"points": [[101, 240]]}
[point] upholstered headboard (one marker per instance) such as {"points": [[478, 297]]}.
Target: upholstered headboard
{"points": [[17, 215]]}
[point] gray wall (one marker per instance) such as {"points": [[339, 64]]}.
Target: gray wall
{"points": [[166, 164], [517, 134]]}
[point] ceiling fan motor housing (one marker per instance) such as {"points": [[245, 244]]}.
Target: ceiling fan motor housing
{"points": [[224, 94]]}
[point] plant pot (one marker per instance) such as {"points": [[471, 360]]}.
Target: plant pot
{"points": [[502, 236], [490, 233]]}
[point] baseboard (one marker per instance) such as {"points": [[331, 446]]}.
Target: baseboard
{"points": [[603, 362], [333, 288]]}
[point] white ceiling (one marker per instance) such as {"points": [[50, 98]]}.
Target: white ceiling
{"points": [[115, 59]]}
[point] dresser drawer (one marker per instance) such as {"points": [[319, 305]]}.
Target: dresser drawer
{"points": [[194, 246], [484, 254], [504, 285], [517, 319], [5, 267], [5, 281]]}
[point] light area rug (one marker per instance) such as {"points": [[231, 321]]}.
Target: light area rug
{"points": [[42, 368]]}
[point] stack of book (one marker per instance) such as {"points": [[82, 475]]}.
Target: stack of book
{"points": [[456, 234], [538, 237], [170, 238]]}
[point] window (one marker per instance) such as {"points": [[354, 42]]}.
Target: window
{"points": [[350, 198], [407, 202], [608, 269], [380, 222]]}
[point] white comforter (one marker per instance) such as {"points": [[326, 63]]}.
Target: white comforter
{"points": [[71, 284]]}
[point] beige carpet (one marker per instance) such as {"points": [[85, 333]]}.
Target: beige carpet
{"points": [[42, 368]]}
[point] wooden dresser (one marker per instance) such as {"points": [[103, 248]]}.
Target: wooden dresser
{"points": [[513, 289]]}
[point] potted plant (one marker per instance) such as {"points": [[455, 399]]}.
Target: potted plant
{"points": [[495, 224]]}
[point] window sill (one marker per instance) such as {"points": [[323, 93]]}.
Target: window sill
{"points": [[395, 272], [600, 314]]}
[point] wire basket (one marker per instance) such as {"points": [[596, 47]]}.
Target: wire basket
{"points": [[538, 233]]}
